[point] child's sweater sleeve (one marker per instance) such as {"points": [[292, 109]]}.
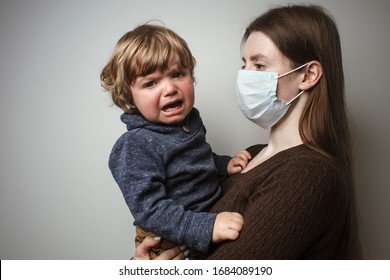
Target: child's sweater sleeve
{"points": [[139, 171], [221, 162]]}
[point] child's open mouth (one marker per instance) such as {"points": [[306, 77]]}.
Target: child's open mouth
{"points": [[172, 106]]}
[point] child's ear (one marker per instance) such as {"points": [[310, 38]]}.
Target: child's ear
{"points": [[312, 74]]}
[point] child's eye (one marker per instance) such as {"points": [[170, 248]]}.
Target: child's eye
{"points": [[178, 74], [149, 84]]}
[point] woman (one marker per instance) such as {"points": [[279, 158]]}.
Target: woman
{"points": [[296, 194]]}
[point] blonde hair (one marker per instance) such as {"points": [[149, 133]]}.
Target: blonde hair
{"points": [[140, 52]]}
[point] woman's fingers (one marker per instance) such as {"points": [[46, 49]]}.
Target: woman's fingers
{"points": [[142, 251], [175, 253]]}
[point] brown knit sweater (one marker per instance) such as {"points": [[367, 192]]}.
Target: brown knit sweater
{"points": [[294, 205]]}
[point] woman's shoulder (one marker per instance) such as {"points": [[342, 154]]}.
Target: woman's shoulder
{"points": [[255, 149], [313, 170], [298, 160], [296, 152], [302, 171], [304, 157]]}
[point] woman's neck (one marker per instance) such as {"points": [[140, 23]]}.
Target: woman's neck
{"points": [[284, 135]]}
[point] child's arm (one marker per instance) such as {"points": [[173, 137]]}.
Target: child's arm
{"points": [[227, 226], [143, 184], [239, 162]]}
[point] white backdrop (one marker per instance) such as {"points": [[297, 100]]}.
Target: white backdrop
{"points": [[58, 199]]}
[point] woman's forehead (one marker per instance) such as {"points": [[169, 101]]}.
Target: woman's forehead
{"points": [[259, 45]]}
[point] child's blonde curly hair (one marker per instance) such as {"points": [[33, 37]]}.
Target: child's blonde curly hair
{"points": [[140, 52]]}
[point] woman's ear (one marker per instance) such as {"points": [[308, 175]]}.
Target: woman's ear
{"points": [[312, 74]]}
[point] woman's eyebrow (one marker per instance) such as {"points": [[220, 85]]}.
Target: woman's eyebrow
{"points": [[258, 56], [255, 57]]}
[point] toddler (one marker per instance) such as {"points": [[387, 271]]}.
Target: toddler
{"points": [[163, 165]]}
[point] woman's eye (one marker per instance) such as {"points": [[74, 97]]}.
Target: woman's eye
{"points": [[256, 67], [259, 67]]}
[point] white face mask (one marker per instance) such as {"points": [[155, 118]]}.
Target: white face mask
{"points": [[256, 96]]}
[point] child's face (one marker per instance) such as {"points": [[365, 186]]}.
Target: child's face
{"points": [[164, 97]]}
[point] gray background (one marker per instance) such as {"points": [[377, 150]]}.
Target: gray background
{"points": [[58, 199]]}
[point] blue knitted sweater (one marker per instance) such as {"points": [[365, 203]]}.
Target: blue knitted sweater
{"points": [[169, 178]]}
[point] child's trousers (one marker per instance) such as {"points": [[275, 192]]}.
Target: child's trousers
{"points": [[141, 234]]}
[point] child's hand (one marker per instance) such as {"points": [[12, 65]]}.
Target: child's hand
{"points": [[227, 226], [239, 162]]}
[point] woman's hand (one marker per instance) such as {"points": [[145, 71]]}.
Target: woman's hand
{"points": [[142, 251]]}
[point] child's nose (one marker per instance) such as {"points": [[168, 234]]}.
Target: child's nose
{"points": [[170, 88]]}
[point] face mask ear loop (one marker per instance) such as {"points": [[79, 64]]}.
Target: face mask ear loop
{"points": [[299, 94], [293, 70]]}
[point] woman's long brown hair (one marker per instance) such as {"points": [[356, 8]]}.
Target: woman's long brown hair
{"points": [[302, 34]]}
